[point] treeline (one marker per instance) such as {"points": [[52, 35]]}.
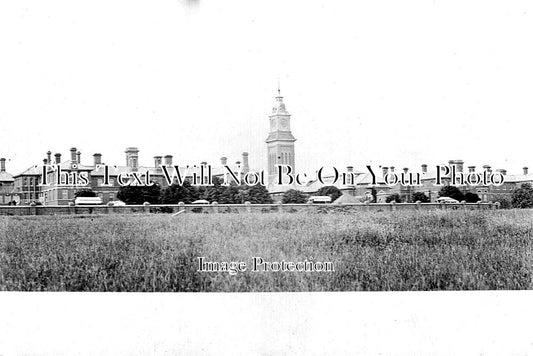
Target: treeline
{"points": [[521, 198], [222, 194], [258, 194], [186, 193]]}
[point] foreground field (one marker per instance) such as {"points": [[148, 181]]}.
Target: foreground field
{"points": [[439, 250]]}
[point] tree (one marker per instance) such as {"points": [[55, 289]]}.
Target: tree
{"points": [[523, 197], [175, 193], [293, 196], [140, 194], [421, 197], [331, 191], [255, 194], [394, 197], [85, 192], [504, 202], [453, 192], [213, 193], [472, 197], [230, 195]]}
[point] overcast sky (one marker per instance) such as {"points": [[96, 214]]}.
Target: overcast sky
{"points": [[384, 82]]}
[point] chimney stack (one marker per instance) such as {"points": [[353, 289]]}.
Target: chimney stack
{"points": [[2, 164], [246, 166], [204, 163], [471, 169], [132, 158], [49, 157], [168, 160], [405, 170], [486, 167], [459, 164], [385, 170], [97, 158], [58, 158], [525, 170], [238, 163], [350, 177], [392, 169], [78, 157], [223, 161], [158, 160], [73, 154], [424, 168]]}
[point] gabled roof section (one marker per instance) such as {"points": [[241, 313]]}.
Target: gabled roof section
{"points": [[32, 171]]}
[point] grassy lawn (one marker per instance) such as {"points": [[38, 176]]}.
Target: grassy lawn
{"points": [[433, 250]]}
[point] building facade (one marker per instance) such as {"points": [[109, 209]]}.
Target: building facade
{"points": [[7, 186]]}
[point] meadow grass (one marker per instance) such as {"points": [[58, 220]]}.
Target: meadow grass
{"points": [[429, 250]]}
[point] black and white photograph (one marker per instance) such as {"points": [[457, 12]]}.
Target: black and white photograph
{"points": [[179, 166]]}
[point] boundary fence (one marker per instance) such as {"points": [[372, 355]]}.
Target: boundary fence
{"points": [[247, 207]]}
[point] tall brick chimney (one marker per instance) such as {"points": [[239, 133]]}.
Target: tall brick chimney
{"points": [[405, 170], [132, 158], [2, 164], [168, 160], [245, 165], [424, 168], [223, 161], [384, 170], [78, 157], [158, 160], [73, 154], [502, 171], [49, 157], [58, 158], [97, 158], [525, 170], [350, 177], [486, 167], [392, 169], [459, 164]]}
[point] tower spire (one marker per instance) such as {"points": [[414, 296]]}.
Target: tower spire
{"points": [[279, 90]]}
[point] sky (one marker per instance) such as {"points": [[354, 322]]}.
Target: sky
{"points": [[383, 83]]}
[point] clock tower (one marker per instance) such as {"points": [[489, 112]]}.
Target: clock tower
{"points": [[280, 141]]}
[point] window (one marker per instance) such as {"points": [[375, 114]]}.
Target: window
{"points": [[65, 194]]}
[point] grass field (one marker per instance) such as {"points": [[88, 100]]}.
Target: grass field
{"points": [[434, 250]]}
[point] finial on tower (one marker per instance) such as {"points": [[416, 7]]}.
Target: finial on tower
{"points": [[279, 90]]}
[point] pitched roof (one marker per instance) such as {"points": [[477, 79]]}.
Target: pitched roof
{"points": [[116, 170], [517, 178], [67, 166], [32, 171], [6, 177]]}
